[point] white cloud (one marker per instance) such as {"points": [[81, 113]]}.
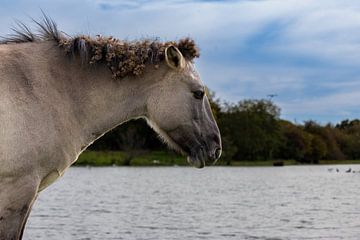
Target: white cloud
{"points": [[328, 30], [334, 107]]}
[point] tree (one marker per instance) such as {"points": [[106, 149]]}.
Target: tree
{"points": [[252, 127], [350, 131], [296, 143], [318, 150], [327, 134]]}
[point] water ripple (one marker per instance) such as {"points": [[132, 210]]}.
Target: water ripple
{"points": [[187, 204]]}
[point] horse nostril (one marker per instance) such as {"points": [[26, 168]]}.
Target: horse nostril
{"points": [[217, 153]]}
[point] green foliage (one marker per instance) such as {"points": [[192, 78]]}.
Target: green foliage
{"points": [[318, 150], [296, 143], [101, 158], [119, 158], [329, 135], [250, 129], [131, 136], [351, 138]]}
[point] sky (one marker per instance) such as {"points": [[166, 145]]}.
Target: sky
{"points": [[305, 52]]}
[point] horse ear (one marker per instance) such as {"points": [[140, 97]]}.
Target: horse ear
{"points": [[174, 58]]}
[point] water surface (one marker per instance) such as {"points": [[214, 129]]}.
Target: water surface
{"points": [[217, 203]]}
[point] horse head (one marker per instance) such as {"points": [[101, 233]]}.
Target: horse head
{"points": [[179, 111]]}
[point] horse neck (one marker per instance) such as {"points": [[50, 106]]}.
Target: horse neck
{"points": [[109, 103], [100, 102]]}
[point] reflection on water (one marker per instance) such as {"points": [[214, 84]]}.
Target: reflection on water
{"points": [[299, 202]]}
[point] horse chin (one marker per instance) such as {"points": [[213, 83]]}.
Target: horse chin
{"points": [[197, 157], [196, 161]]}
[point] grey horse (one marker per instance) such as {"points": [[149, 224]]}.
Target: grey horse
{"points": [[59, 94]]}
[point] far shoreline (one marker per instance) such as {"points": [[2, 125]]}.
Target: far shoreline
{"points": [[166, 158]]}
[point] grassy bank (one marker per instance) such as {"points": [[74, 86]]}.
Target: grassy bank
{"points": [[164, 158], [153, 158]]}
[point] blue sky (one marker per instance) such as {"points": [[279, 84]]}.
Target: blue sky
{"points": [[307, 52]]}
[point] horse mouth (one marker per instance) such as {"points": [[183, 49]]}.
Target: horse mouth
{"points": [[196, 156]]}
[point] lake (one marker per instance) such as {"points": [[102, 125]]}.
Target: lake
{"points": [[160, 203]]}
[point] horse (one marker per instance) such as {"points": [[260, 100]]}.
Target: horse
{"points": [[58, 94]]}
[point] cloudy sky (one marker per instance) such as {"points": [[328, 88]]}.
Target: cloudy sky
{"points": [[306, 52]]}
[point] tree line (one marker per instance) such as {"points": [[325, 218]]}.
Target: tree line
{"points": [[253, 130]]}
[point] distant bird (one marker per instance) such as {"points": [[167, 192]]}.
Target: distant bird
{"points": [[330, 169], [337, 170], [272, 95], [349, 170]]}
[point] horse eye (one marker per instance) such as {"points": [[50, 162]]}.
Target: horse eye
{"points": [[199, 94]]}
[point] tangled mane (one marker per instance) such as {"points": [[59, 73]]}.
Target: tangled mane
{"points": [[123, 58]]}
